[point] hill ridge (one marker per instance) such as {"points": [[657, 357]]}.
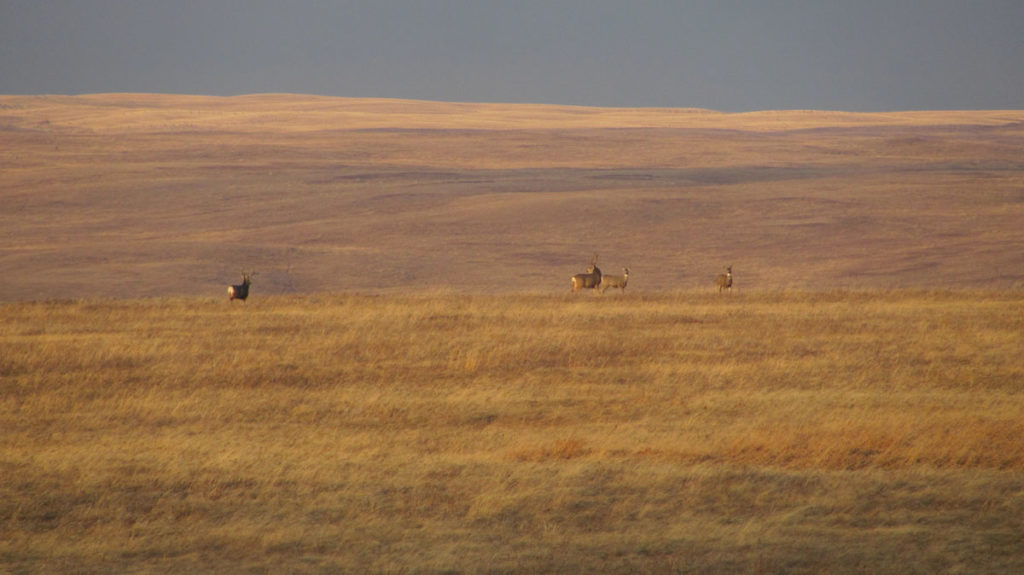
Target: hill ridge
{"points": [[144, 195]]}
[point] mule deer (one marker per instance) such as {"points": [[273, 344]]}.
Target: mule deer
{"points": [[241, 291], [615, 281], [724, 281], [590, 280]]}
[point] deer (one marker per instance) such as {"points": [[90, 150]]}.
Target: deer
{"points": [[241, 291], [615, 281], [590, 280], [724, 281]]}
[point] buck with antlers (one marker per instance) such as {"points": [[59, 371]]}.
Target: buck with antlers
{"points": [[590, 280], [724, 281], [615, 281], [241, 291]]}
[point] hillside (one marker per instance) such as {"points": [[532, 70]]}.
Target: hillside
{"points": [[125, 195]]}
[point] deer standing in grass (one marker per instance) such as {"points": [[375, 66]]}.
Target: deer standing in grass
{"points": [[724, 281], [615, 281], [590, 280], [241, 291]]}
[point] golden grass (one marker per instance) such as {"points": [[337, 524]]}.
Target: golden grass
{"points": [[134, 195], [838, 431], [301, 113]]}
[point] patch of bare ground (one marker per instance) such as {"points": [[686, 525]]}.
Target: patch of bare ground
{"points": [[123, 195]]}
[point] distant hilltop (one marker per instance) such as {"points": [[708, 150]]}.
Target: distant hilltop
{"points": [[147, 195], [296, 112]]}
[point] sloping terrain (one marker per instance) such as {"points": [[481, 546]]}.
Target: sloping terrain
{"points": [[146, 195]]}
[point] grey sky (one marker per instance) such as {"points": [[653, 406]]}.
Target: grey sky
{"points": [[728, 55]]}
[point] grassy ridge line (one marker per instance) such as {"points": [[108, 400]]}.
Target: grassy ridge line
{"points": [[764, 432], [296, 113]]}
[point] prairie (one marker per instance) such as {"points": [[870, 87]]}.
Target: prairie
{"points": [[412, 388], [839, 431], [143, 195]]}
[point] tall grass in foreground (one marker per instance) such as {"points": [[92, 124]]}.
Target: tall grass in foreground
{"points": [[775, 432]]}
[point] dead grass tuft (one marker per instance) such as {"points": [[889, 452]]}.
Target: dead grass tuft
{"points": [[560, 449]]}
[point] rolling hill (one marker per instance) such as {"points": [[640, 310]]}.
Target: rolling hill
{"points": [[140, 195]]}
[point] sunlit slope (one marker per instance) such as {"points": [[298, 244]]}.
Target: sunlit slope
{"points": [[137, 194]]}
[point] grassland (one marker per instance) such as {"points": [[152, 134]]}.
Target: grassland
{"points": [[411, 388], [785, 431], [135, 195]]}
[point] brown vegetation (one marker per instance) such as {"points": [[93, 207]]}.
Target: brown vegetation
{"points": [[418, 423], [122, 195], [835, 431]]}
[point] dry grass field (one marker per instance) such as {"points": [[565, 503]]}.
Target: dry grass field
{"points": [[775, 432], [411, 388], [128, 195]]}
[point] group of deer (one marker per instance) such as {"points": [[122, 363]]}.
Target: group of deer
{"points": [[593, 279], [597, 281]]}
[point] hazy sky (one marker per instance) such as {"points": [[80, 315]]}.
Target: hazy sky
{"points": [[722, 54]]}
